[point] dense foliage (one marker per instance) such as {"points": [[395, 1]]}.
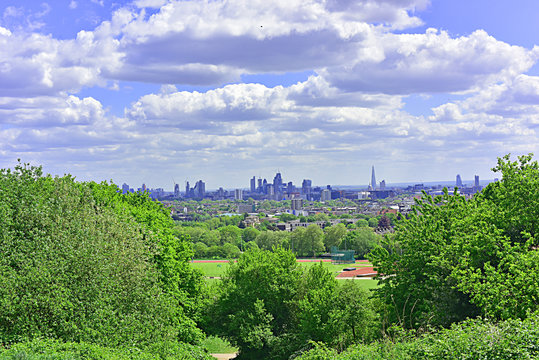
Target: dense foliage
{"points": [[472, 339], [456, 258], [82, 262], [40, 349], [271, 308]]}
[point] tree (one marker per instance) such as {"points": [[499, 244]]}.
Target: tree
{"points": [[373, 222], [307, 241], [82, 262], [455, 258], [249, 234], [333, 235], [255, 308], [361, 240], [267, 240]]}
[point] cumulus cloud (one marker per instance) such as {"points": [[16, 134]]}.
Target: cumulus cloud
{"points": [[35, 64], [431, 62]]}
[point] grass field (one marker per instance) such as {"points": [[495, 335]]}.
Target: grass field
{"points": [[219, 269]]}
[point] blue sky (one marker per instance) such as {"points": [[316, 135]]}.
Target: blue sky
{"points": [[151, 90]]}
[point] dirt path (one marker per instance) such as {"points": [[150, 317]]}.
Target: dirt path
{"points": [[224, 356]]}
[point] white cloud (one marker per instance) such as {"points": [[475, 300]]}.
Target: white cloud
{"points": [[431, 62]]}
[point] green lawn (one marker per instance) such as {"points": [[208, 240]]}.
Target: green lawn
{"points": [[218, 270]]}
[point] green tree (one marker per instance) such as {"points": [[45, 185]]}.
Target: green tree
{"points": [[333, 235], [254, 310], [81, 262], [361, 240], [307, 241], [454, 258]]}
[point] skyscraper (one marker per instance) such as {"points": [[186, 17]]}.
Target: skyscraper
{"points": [[253, 184], [200, 189], [176, 190], [459, 181], [373, 179], [476, 182], [187, 189], [238, 194], [125, 188], [277, 183]]}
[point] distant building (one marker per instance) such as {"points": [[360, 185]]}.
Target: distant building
{"points": [[176, 190], [238, 194], [125, 188], [325, 195], [382, 185], [144, 187], [459, 181], [246, 208], [200, 189], [373, 179], [306, 188], [296, 204], [253, 184], [187, 189], [476, 180]]}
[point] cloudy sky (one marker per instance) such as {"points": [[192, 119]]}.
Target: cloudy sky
{"points": [[223, 90]]}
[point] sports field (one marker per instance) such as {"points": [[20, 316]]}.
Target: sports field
{"points": [[214, 269]]}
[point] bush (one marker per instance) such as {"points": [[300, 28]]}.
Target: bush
{"points": [[81, 262], [54, 350]]}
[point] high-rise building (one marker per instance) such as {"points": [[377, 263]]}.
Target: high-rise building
{"points": [[277, 183], [187, 189], [459, 181], [290, 187], [382, 185], [253, 184], [373, 179], [476, 181], [260, 188], [200, 189], [238, 194], [296, 204], [125, 188], [325, 195], [144, 187], [176, 190]]}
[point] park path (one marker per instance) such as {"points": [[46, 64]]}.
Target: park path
{"points": [[224, 356]]}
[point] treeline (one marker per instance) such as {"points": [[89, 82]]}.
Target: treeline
{"points": [[459, 279], [89, 273], [220, 238], [81, 263]]}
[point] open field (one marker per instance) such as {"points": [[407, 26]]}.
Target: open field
{"points": [[213, 270], [217, 268]]}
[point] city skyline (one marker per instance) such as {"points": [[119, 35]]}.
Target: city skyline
{"points": [[146, 91]]}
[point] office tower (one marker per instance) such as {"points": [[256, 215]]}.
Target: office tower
{"points": [[259, 188], [125, 188], [176, 190], [187, 189], [277, 183], [290, 187], [306, 186], [373, 179], [253, 184], [265, 186], [382, 185], [238, 194], [325, 195], [200, 189], [459, 181], [296, 204], [476, 182]]}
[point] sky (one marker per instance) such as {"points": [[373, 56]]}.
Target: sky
{"points": [[164, 91]]}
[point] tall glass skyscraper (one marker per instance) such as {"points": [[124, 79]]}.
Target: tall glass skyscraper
{"points": [[373, 179]]}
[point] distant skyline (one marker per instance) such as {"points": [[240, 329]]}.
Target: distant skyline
{"points": [[147, 91]]}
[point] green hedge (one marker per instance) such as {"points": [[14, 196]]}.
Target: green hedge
{"points": [[56, 350], [472, 339]]}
